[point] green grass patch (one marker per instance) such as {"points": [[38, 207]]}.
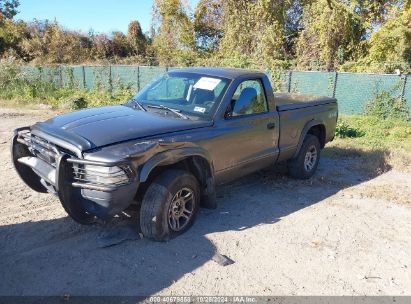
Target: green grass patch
{"points": [[375, 132], [66, 99], [19, 88], [375, 143]]}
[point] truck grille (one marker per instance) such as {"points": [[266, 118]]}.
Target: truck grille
{"points": [[42, 148], [86, 174]]}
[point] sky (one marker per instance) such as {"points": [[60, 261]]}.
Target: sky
{"points": [[103, 16]]}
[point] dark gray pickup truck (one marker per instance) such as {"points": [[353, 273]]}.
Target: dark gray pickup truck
{"points": [[167, 148]]}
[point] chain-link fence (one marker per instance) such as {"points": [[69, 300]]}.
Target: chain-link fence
{"points": [[353, 90]]}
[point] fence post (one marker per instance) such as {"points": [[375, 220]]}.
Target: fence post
{"points": [[61, 76], [110, 80], [404, 84], [335, 83], [83, 69], [138, 78], [290, 74]]}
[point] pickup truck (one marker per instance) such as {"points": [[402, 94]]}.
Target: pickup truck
{"points": [[167, 148]]}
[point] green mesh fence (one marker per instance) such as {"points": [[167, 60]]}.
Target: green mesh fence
{"points": [[312, 83], [407, 90], [353, 90]]}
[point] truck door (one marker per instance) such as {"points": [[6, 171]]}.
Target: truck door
{"points": [[251, 133]]}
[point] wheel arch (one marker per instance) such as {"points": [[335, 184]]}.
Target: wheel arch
{"points": [[192, 159], [314, 127]]}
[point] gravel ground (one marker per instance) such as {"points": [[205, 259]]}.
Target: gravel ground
{"points": [[331, 235]]}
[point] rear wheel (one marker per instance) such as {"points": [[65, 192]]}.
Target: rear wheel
{"points": [[304, 165], [170, 205]]}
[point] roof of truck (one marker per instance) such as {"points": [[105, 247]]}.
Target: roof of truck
{"points": [[220, 72]]}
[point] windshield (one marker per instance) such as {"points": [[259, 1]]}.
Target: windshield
{"points": [[188, 93]]}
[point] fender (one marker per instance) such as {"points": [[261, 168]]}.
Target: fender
{"points": [[308, 126], [173, 156]]}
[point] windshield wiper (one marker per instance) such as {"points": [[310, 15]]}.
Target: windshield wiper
{"points": [[176, 112], [138, 104]]}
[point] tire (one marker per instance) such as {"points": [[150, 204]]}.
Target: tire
{"points": [[304, 165], [164, 202]]}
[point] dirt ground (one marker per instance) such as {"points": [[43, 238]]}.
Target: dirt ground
{"points": [[344, 232]]}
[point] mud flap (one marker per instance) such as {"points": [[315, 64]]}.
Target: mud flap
{"points": [[208, 196]]}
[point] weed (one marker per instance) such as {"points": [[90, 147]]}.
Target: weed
{"points": [[32, 88], [386, 105], [344, 130]]}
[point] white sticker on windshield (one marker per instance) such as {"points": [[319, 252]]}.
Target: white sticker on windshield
{"points": [[199, 109], [207, 83]]}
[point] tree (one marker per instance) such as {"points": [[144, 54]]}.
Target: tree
{"points": [[120, 45], [253, 32], [208, 24], [330, 36], [8, 8], [11, 34], [102, 47], [337, 31], [136, 39], [46, 42], [389, 48], [174, 39]]}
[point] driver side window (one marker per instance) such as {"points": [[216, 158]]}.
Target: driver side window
{"points": [[248, 99]]}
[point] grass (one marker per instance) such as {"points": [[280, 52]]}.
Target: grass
{"points": [[378, 144], [22, 89], [67, 99]]}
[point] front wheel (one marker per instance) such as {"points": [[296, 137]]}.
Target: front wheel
{"points": [[170, 205], [304, 165]]}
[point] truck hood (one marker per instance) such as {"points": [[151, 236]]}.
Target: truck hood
{"points": [[97, 127]]}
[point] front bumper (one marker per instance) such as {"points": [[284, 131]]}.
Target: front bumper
{"points": [[46, 167]]}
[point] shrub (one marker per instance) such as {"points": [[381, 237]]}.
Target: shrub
{"points": [[37, 86], [385, 105], [343, 130]]}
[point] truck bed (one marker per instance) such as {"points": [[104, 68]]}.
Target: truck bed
{"points": [[292, 101]]}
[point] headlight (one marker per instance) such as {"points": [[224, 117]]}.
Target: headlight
{"points": [[102, 175]]}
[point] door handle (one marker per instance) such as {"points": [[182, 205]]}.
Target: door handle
{"points": [[271, 125]]}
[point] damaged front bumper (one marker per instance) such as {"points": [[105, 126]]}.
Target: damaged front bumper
{"points": [[100, 189]]}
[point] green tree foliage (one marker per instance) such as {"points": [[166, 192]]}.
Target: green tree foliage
{"points": [[335, 32], [330, 36], [120, 45], [208, 24], [11, 34], [174, 39], [8, 8], [350, 35], [389, 48], [253, 31], [48, 43], [136, 38], [44, 42]]}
